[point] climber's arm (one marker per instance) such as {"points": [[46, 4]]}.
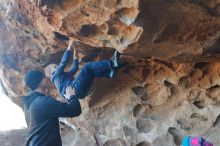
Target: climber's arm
{"points": [[65, 58], [75, 65]]}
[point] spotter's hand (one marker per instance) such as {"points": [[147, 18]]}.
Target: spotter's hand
{"points": [[69, 92]]}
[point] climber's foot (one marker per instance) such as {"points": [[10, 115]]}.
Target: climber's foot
{"points": [[112, 73], [115, 59]]}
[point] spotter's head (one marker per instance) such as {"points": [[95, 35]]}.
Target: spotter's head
{"points": [[34, 79], [50, 69]]}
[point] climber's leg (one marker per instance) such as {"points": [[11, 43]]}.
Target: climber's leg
{"points": [[98, 68], [83, 81], [105, 68]]}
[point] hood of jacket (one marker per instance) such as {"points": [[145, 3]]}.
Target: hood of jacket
{"points": [[30, 97]]}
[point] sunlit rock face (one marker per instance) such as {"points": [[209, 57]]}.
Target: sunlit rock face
{"points": [[168, 89]]}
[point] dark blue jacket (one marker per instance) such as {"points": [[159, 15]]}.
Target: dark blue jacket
{"points": [[42, 113], [63, 79]]}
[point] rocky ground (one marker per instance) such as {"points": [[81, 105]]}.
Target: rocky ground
{"points": [[13, 137], [168, 89]]}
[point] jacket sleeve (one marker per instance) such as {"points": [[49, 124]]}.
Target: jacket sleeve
{"points": [[64, 61], [50, 107], [74, 67]]}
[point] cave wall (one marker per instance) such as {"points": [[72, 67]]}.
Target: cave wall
{"points": [[168, 89]]}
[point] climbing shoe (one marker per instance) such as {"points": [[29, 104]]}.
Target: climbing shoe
{"points": [[112, 73], [115, 59]]}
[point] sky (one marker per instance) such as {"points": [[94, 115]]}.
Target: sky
{"points": [[11, 115]]}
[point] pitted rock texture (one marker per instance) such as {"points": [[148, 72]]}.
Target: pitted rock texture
{"points": [[168, 89]]}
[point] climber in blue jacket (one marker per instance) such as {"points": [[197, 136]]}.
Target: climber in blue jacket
{"points": [[81, 84], [42, 111]]}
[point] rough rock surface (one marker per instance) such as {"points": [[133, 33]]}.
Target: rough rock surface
{"points": [[13, 137], [170, 87]]}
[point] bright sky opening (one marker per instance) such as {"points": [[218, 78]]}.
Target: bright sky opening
{"points": [[12, 116]]}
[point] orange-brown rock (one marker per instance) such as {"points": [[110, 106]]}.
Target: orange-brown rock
{"points": [[168, 89]]}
